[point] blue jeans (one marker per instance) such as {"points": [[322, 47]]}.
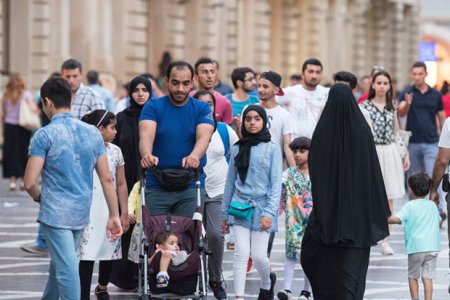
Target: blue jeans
{"points": [[40, 241], [63, 279], [422, 157]]}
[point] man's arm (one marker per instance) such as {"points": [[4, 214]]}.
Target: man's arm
{"points": [[404, 106], [113, 228], [147, 132], [287, 151], [32, 172], [203, 136], [441, 117], [440, 165]]}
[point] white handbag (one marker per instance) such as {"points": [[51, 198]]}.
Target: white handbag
{"points": [[401, 137], [27, 118]]}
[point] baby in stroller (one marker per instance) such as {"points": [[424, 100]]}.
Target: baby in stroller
{"points": [[167, 243]]}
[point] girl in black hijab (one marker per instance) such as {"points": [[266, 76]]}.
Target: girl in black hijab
{"points": [[140, 91], [253, 179], [350, 203]]}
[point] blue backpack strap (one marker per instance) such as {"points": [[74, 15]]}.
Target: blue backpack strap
{"points": [[223, 132]]}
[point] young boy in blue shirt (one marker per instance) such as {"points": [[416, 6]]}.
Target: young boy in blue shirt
{"points": [[420, 218]]}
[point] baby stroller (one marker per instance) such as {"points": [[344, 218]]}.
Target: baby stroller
{"points": [[187, 280]]}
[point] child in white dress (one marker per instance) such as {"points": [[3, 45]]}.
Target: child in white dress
{"points": [[95, 245]]}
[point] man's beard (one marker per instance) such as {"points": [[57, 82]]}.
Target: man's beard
{"points": [[311, 84], [177, 99], [246, 89]]}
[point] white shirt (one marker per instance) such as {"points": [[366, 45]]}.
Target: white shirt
{"points": [[444, 140], [279, 123], [305, 107], [216, 165]]}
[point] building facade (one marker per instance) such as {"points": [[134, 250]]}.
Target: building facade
{"points": [[128, 37], [435, 28]]}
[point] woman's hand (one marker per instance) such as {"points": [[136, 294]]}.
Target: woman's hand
{"points": [[266, 223], [406, 162], [225, 227], [125, 222], [131, 218]]}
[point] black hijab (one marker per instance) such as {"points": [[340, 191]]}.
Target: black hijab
{"points": [[350, 203], [249, 140], [127, 137], [134, 108]]}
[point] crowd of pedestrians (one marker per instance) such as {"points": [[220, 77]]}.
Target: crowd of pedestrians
{"points": [[326, 158]]}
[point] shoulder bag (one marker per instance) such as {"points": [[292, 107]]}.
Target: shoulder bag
{"points": [[27, 118], [401, 137]]}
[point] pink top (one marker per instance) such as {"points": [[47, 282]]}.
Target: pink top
{"points": [[11, 111], [446, 103], [223, 108]]}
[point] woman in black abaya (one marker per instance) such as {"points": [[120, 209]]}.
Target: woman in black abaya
{"points": [[350, 204], [125, 272]]}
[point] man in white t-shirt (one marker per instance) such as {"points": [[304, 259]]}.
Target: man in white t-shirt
{"points": [[440, 166], [278, 119], [306, 101]]}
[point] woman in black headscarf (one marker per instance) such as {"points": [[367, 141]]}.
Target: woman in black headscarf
{"points": [[350, 203], [125, 272], [253, 180]]}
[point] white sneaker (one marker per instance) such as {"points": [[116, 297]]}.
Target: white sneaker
{"points": [[386, 249]]}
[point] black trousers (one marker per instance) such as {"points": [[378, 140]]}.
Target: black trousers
{"points": [[86, 268]]}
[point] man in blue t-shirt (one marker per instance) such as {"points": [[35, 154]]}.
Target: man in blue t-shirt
{"points": [[422, 104], [175, 131], [65, 153]]}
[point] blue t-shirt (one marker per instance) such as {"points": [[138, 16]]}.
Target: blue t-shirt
{"points": [[70, 149], [421, 220], [175, 132], [237, 107], [422, 114]]}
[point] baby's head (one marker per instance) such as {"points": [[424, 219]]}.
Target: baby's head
{"points": [[419, 185], [167, 241]]}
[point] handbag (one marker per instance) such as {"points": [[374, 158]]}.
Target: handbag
{"points": [[401, 137], [27, 118], [174, 179], [241, 210]]}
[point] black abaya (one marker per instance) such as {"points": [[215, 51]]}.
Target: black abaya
{"points": [[350, 203], [125, 272]]}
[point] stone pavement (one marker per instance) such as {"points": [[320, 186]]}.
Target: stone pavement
{"points": [[23, 275]]}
